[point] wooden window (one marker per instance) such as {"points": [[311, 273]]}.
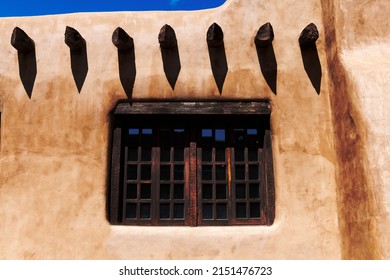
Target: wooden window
{"points": [[196, 164]]}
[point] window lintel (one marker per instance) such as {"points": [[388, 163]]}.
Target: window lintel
{"points": [[195, 107]]}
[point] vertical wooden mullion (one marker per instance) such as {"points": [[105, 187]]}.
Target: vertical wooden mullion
{"points": [[263, 189], [213, 179], [171, 179], [138, 199], [246, 160], [233, 185], [269, 173], [187, 177], [193, 164], [229, 152], [116, 181], [198, 184], [124, 184], [155, 185]]}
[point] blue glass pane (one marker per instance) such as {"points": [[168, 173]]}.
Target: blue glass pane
{"points": [[147, 131], [220, 135], [133, 131], [252, 131], [207, 133]]}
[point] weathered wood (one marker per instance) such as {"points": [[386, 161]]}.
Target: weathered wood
{"points": [[73, 39], [115, 181], [192, 179], [309, 35], [264, 36], [167, 37], [239, 107], [122, 40], [214, 36], [21, 41], [269, 173], [193, 164]]}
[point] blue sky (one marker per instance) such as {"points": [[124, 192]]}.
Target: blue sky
{"points": [[10, 8]]}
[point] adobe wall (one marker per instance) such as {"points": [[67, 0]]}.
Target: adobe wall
{"points": [[363, 31], [54, 146]]}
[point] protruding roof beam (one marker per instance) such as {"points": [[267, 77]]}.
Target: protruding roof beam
{"points": [[122, 40], [21, 41], [167, 37], [264, 36], [309, 35], [73, 39], [214, 36]]}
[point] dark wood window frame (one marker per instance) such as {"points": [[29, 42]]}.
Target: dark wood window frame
{"points": [[241, 204]]}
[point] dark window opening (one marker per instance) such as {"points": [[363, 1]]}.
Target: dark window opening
{"points": [[198, 168]]}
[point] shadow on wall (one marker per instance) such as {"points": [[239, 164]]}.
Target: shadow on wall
{"points": [[78, 56], [126, 60], [170, 56], [26, 59], [310, 58]]}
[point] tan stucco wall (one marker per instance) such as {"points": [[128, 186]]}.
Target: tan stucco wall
{"points": [[364, 32], [53, 157]]}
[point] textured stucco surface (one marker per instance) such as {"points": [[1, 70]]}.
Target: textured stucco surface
{"points": [[53, 157], [364, 29]]}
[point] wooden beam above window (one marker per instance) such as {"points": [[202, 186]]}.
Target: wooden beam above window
{"points": [[198, 108]]}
